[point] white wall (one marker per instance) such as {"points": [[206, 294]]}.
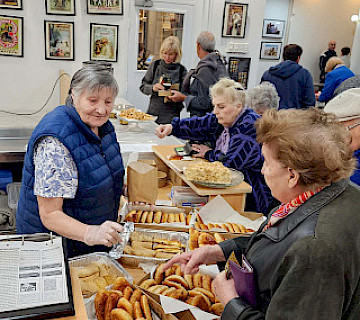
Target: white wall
{"points": [[26, 82], [314, 23], [275, 9]]}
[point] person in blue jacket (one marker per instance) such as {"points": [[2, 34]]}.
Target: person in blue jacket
{"points": [[73, 170], [337, 72], [293, 83], [346, 106], [230, 131]]}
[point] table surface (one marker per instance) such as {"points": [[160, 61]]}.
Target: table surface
{"points": [[164, 151]]}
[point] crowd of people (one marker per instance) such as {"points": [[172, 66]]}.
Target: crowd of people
{"points": [[301, 162]]}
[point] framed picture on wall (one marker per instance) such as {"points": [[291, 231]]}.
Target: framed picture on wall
{"points": [[60, 7], [11, 36], [270, 50], [105, 7], [59, 40], [103, 42], [10, 4], [234, 20], [239, 70], [273, 28]]}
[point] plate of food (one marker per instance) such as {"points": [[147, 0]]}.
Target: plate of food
{"points": [[212, 175], [134, 115]]}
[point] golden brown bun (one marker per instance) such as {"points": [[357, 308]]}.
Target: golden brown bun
{"points": [[137, 310], [176, 217], [164, 255], [180, 294], [178, 271], [197, 280], [157, 217], [159, 274], [193, 293], [242, 228], [128, 292], [178, 279], [217, 309], [158, 289], [128, 249], [206, 282], [164, 218], [126, 305], [189, 280], [225, 227], [150, 216], [210, 225], [100, 303], [197, 225], [218, 237], [148, 283], [236, 228], [141, 245], [206, 238], [131, 216], [171, 218], [182, 217], [120, 314], [170, 283], [198, 301], [193, 239], [120, 284], [143, 252], [144, 217], [188, 218], [135, 296], [111, 303], [145, 307], [206, 292], [230, 227], [171, 270], [138, 215], [203, 227], [167, 291]]}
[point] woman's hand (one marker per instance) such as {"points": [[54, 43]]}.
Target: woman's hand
{"points": [[190, 261], [201, 149], [157, 87], [224, 289], [163, 130], [106, 234], [177, 96]]}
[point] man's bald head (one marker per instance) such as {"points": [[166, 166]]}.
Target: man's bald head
{"points": [[332, 44]]}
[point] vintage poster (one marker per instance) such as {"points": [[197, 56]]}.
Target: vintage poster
{"points": [[234, 20], [104, 42], [105, 6], [10, 4], [60, 7], [59, 40], [11, 36]]}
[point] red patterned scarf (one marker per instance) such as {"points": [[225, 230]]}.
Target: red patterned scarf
{"points": [[287, 208]]}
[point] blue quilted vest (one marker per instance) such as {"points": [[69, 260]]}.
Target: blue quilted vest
{"points": [[100, 173]]}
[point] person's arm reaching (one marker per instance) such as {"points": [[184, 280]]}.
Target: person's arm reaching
{"points": [[54, 219]]}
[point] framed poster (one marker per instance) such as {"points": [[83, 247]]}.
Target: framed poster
{"points": [[59, 40], [11, 36], [103, 42], [273, 28], [105, 7], [61, 7], [234, 20], [239, 70], [270, 50], [10, 4]]}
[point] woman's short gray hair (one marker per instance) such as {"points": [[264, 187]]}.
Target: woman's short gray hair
{"points": [[90, 79], [231, 90], [263, 97], [206, 40]]}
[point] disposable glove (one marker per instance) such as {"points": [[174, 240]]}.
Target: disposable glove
{"points": [[105, 234]]}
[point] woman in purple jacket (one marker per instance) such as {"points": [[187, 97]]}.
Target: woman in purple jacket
{"points": [[231, 133]]}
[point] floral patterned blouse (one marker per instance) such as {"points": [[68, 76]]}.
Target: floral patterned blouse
{"points": [[56, 174]]}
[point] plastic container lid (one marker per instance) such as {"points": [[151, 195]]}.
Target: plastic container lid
{"points": [[13, 191]]}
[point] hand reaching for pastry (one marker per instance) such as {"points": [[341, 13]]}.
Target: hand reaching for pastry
{"points": [[163, 130], [105, 234], [190, 261], [201, 149]]}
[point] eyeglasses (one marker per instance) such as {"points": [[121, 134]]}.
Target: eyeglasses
{"points": [[352, 126]]}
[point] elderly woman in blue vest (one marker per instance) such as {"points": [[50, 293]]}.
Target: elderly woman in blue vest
{"points": [[73, 170], [231, 132]]}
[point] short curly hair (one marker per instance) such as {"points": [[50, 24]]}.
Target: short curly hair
{"points": [[231, 90], [309, 141], [263, 97]]}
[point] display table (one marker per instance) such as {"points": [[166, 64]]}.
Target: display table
{"points": [[235, 195]]}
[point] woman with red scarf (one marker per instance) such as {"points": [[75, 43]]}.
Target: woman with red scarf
{"points": [[306, 256]]}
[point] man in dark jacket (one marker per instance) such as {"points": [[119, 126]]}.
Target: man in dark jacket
{"points": [[195, 88], [325, 56], [293, 83]]}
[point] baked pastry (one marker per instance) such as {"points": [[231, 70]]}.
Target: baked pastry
{"points": [[145, 307], [157, 217], [100, 303], [217, 308], [126, 305], [120, 314]]}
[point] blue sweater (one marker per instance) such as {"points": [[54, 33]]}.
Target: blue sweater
{"points": [[293, 83], [244, 153], [332, 80], [356, 175], [100, 171]]}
